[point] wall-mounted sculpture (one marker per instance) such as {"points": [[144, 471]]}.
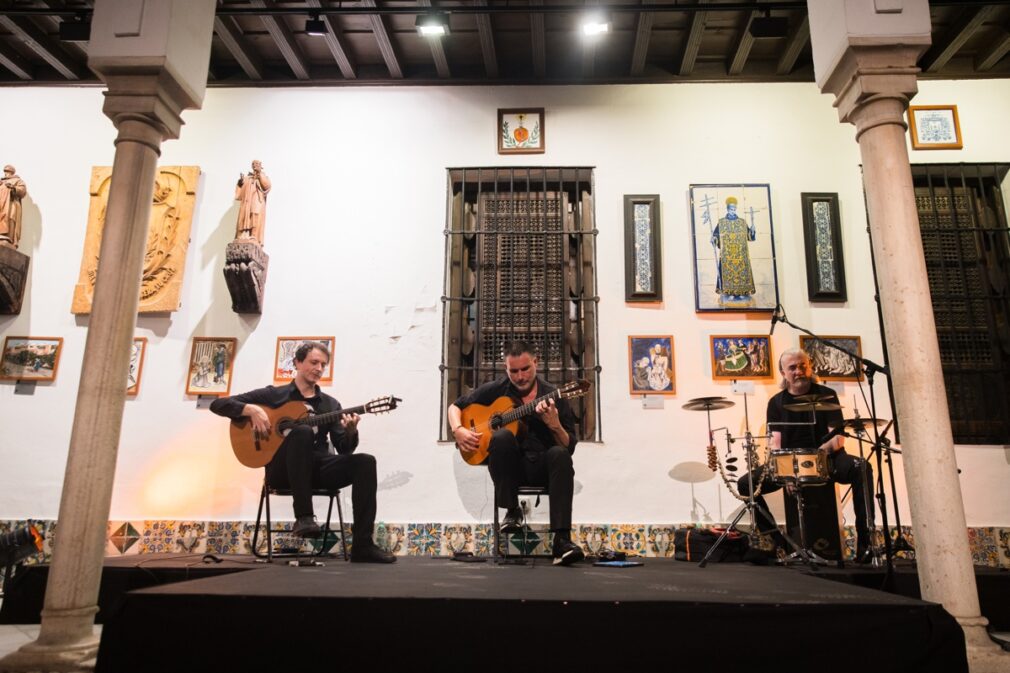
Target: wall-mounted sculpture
{"points": [[13, 264], [167, 238], [245, 269]]}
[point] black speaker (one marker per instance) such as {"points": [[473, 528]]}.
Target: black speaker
{"points": [[820, 515]]}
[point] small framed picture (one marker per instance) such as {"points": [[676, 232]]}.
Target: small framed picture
{"points": [[284, 359], [650, 365], [30, 358], [831, 364], [521, 130], [934, 127], [643, 259], [138, 349], [744, 356], [210, 366], [822, 240]]}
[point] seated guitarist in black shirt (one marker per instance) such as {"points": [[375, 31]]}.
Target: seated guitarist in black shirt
{"points": [[304, 461], [542, 456]]}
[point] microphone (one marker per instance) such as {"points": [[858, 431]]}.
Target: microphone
{"points": [[776, 317]]}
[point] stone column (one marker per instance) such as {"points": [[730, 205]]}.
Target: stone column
{"points": [[144, 100], [873, 79]]}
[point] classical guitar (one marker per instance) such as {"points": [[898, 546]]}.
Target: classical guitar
{"points": [[503, 414], [254, 449]]}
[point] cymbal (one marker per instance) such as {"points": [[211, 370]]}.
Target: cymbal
{"points": [[863, 422], [813, 397], [813, 406], [706, 403]]}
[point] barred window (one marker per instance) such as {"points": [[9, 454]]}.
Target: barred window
{"points": [[520, 260], [963, 223]]}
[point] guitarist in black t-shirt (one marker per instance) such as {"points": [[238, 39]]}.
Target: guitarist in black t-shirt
{"points": [[798, 379]]}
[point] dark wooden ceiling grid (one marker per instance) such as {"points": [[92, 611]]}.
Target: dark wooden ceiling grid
{"points": [[264, 43]]}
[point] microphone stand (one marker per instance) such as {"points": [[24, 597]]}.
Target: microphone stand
{"points": [[870, 368]]}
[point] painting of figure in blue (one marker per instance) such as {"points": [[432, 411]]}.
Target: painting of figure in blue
{"points": [[651, 365], [734, 248]]}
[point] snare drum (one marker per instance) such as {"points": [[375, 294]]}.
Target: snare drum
{"points": [[798, 466]]}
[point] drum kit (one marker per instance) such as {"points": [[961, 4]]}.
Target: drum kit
{"points": [[789, 467]]}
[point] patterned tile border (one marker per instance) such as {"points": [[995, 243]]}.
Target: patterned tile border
{"points": [[990, 546]]}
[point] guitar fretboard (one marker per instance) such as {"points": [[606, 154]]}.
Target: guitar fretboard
{"points": [[522, 410], [330, 416]]}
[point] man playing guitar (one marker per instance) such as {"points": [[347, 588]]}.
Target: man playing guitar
{"points": [[541, 456], [304, 461]]}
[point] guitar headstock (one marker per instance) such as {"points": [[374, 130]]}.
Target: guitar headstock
{"points": [[576, 388], [381, 405]]}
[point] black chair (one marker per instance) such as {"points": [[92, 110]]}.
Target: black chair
{"points": [[523, 490], [268, 490]]}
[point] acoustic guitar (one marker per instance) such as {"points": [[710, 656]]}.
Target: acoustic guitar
{"points": [[502, 413], [254, 449]]}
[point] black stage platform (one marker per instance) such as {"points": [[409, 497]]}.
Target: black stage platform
{"points": [[435, 614]]}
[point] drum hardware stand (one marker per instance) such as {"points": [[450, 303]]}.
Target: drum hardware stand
{"points": [[870, 368], [749, 505]]}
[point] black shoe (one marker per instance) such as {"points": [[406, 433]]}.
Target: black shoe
{"points": [[566, 552], [306, 526], [513, 521], [367, 552]]}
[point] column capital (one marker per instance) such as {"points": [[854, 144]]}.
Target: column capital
{"points": [[873, 84]]}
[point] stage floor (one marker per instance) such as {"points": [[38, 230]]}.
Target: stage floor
{"points": [[437, 614]]}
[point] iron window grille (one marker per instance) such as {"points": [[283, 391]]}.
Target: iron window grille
{"points": [[520, 263]]}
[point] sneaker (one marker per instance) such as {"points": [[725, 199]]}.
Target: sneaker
{"points": [[567, 552], [513, 521], [368, 552], [306, 526]]}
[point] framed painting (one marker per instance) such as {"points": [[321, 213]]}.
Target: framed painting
{"points": [[284, 359], [822, 239], [521, 130], [831, 364], [934, 127], [138, 349], [30, 358], [643, 257], [744, 356], [650, 365], [210, 366], [734, 248]]}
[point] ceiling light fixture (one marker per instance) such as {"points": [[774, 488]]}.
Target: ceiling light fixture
{"points": [[435, 24], [77, 29], [769, 26], [595, 24], [315, 25]]}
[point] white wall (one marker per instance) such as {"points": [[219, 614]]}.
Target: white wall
{"points": [[354, 232]]}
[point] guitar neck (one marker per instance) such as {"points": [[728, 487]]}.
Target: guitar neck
{"points": [[524, 410], [330, 416]]}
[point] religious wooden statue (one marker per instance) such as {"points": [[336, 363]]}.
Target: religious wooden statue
{"points": [[251, 193], [246, 262], [13, 264], [167, 238]]}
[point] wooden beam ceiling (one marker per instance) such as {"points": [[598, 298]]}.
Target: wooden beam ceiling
{"points": [[486, 33], [284, 40], [437, 50], [693, 43], [233, 40], [799, 36], [336, 43], [538, 40], [385, 44], [994, 52], [48, 49], [944, 48]]}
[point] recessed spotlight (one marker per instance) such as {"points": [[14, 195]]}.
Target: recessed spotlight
{"points": [[595, 24], [435, 24], [315, 26]]}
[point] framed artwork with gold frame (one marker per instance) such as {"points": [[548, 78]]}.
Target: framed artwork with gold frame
{"points": [[831, 364], [210, 366], [521, 130], [650, 365], [138, 350], [934, 127], [741, 356], [284, 358], [27, 358]]}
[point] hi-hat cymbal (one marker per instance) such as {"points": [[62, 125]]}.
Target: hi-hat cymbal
{"points": [[707, 403], [813, 406], [863, 422]]}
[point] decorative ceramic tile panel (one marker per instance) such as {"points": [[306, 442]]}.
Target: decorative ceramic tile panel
{"points": [[456, 537], [629, 538], [391, 538], [424, 539], [122, 538], [157, 537], [225, 537], [660, 541]]}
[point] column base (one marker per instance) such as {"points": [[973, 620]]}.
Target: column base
{"points": [[62, 658], [984, 656]]}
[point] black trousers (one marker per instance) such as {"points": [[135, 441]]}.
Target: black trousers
{"points": [[842, 468], [298, 466], [511, 467]]}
